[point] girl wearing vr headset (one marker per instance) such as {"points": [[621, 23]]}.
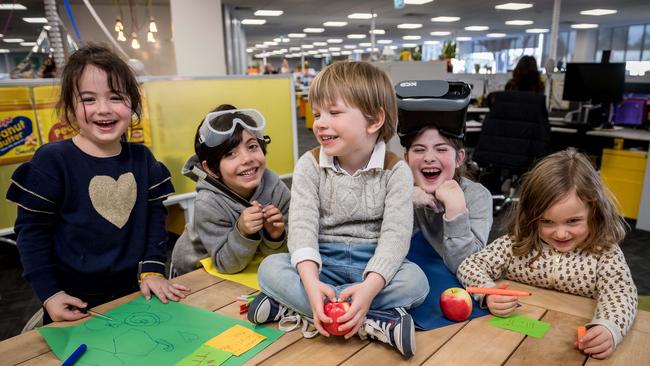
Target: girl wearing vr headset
{"points": [[240, 207], [91, 220], [453, 213]]}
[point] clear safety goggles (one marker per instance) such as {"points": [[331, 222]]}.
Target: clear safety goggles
{"points": [[212, 137]]}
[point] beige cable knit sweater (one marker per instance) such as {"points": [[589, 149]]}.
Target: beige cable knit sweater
{"points": [[371, 206]]}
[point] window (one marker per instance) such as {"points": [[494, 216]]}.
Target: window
{"points": [[646, 44], [634, 43]]}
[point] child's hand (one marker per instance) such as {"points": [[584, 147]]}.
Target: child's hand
{"points": [[597, 342], [362, 295], [316, 292], [273, 221], [251, 220], [422, 198], [65, 307], [502, 305], [452, 197], [162, 288]]}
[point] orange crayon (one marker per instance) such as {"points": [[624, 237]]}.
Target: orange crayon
{"points": [[496, 291]]}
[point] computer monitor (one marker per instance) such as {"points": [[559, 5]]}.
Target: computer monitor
{"points": [[595, 82]]}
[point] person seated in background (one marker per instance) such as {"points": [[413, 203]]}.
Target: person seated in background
{"points": [[526, 76], [269, 69]]}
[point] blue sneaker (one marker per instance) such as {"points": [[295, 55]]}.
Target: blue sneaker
{"points": [[394, 326], [265, 309]]}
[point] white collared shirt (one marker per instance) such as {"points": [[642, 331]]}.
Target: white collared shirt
{"points": [[376, 160]]}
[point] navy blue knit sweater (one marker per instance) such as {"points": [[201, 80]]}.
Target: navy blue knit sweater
{"points": [[85, 224]]}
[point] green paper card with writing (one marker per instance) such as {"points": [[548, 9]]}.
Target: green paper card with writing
{"points": [[521, 324], [205, 356], [148, 333]]}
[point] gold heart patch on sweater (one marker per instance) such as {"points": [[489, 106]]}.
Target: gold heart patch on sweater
{"points": [[112, 199]]}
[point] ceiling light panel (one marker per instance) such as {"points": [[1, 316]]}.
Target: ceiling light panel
{"points": [[35, 20], [584, 26], [409, 26], [477, 28], [513, 6], [445, 19], [268, 13], [361, 16], [253, 21], [12, 7], [335, 24], [519, 22], [599, 12]]}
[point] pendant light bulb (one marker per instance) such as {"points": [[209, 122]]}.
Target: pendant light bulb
{"points": [[134, 43], [152, 26]]}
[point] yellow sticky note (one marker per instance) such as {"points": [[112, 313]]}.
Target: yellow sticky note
{"points": [[236, 340]]}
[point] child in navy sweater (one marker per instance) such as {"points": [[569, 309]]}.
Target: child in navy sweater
{"points": [[91, 221]]}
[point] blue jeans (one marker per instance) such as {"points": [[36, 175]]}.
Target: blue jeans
{"points": [[343, 265]]}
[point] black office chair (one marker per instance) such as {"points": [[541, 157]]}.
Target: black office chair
{"points": [[514, 135]]}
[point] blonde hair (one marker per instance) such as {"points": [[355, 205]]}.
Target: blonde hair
{"points": [[360, 85], [549, 182]]}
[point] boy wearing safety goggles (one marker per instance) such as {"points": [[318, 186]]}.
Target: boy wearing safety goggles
{"points": [[350, 220], [240, 206]]}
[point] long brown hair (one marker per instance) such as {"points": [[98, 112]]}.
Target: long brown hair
{"points": [[548, 183]]}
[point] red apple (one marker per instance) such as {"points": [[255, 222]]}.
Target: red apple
{"points": [[456, 304], [334, 310]]}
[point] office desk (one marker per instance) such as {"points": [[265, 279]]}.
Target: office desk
{"points": [[559, 126], [472, 342]]}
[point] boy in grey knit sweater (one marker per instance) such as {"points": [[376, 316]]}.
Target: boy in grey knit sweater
{"points": [[350, 219]]}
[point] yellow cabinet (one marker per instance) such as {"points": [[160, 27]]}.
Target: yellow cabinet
{"points": [[622, 172]]}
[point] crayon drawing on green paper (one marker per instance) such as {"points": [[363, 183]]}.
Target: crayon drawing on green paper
{"points": [[148, 333]]}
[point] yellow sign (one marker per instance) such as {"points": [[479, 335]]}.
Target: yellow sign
{"points": [[236, 340], [18, 130]]}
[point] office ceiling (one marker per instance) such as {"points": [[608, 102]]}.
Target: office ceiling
{"points": [[299, 14]]}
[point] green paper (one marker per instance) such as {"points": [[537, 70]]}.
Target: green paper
{"points": [[148, 333], [521, 324], [205, 356]]}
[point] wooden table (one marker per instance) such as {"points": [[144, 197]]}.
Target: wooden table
{"points": [[467, 343]]}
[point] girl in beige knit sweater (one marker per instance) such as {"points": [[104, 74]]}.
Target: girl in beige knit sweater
{"points": [[563, 235]]}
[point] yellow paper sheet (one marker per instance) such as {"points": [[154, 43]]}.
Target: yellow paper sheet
{"points": [[236, 340], [247, 277]]}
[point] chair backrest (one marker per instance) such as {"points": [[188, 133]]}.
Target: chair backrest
{"points": [[515, 133]]}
